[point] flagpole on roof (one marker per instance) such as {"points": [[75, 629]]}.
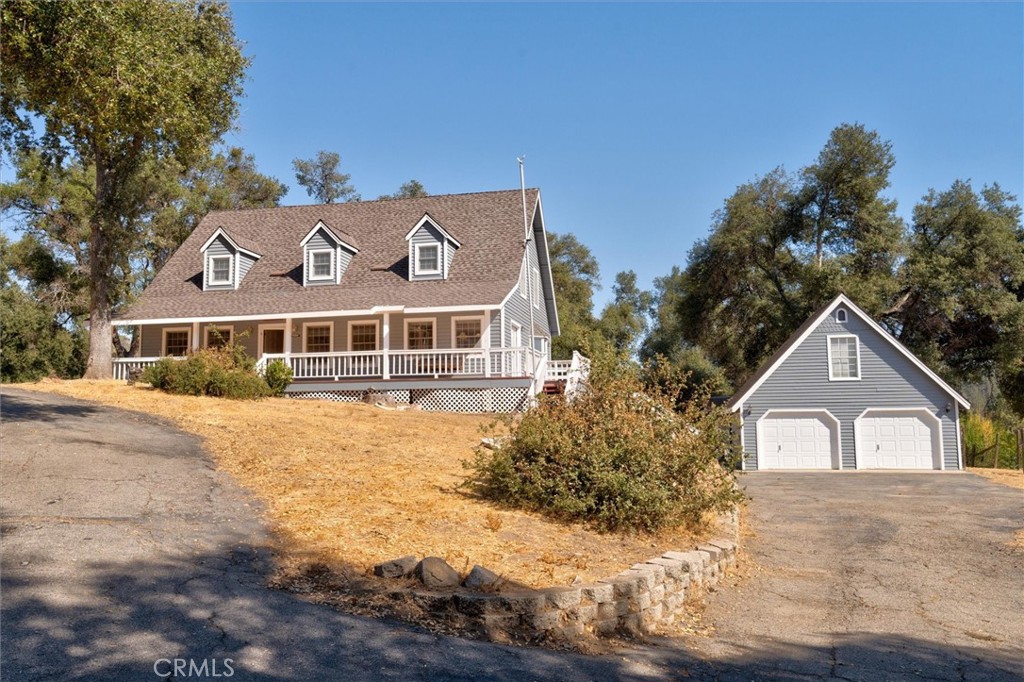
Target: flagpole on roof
{"points": [[529, 269]]}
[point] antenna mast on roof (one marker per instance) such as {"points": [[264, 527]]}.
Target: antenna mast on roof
{"points": [[522, 187], [531, 352]]}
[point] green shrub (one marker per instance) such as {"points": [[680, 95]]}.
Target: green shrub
{"points": [[226, 372], [278, 375], [618, 457]]}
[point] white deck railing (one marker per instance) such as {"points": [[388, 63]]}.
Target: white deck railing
{"points": [[470, 362], [558, 370], [124, 366]]}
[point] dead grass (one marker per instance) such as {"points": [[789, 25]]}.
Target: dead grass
{"points": [[1011, 477], [351, 485]]}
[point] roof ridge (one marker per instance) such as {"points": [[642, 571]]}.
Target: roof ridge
{"points": [[371, 201]]}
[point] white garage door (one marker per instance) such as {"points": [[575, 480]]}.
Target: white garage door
{"points": [[797, 441], [897, 440]]}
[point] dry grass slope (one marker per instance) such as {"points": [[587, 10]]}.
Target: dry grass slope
{"points": [[350, 485]]}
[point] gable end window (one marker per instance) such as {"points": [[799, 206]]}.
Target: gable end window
{"points": [[220, 270], [428, 259], [322, 265], [840, 315], [843, 358]]}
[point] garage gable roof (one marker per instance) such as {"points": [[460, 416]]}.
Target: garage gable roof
{"points": [[804, 330]]}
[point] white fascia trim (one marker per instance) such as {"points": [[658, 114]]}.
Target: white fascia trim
{"points": [[923, 411], [427, 219], [451, 309], [959, 443], [743, 443], [321, 225], [539, 208], [837, 435], [221, 233], [828, 344], [318, 313], [842, 299]]}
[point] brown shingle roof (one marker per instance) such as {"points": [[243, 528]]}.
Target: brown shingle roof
{"points": [[485, 269]]}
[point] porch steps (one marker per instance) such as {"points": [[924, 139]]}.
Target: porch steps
{"points": [[555, 387]]}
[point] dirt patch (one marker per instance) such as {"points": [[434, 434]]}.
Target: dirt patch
{"points": [[1011, 477], [350, 485]]}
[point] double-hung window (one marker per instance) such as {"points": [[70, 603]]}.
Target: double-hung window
{"points": [[467, 333], [218, 337], [843, 358], [322, 264], [176, 342], [428, 259], [364, 337], [419, 335], [318, 338], [220, 270]]}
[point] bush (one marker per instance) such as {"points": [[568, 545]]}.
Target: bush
{"points": [[617, 457], [226, 372], [278, 375]]}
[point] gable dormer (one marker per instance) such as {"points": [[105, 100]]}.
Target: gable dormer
{"points": [[225, 263], [325, 255], [431, 250]]}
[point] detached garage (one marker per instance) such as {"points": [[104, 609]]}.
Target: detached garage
{"points": [[842, 393]]}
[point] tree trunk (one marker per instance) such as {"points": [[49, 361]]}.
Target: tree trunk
{"points": [[100, 364]]}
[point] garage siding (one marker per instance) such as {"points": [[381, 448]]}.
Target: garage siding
{"points": [[888, 379]]}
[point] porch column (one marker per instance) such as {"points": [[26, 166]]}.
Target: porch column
{"points": [[195, 336], [485, 342], [287, 336], [386, 330]]}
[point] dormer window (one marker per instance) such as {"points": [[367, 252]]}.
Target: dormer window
{"points": [[427, 259], [220, 267], [323, 265]]}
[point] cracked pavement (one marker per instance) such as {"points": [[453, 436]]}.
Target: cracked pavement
{"points": [[121, 544]]}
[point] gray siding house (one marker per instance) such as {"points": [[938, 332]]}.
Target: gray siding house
{"points": [[842, 393], [442, 301]]}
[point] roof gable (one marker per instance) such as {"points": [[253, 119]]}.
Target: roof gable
{"points": [[338, 240], [222, 234], [807, 328], [437, 226]]}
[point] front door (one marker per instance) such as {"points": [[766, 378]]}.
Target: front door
{"points": [[273, 341]]}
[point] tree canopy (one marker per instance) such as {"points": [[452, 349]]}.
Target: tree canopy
{"points": [[114, 86], [322, 179]]}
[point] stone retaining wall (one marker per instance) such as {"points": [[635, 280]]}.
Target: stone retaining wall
{"points": [[637, 601]]}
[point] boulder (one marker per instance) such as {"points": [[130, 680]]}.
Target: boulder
{"points": [[378, 398], [396, 568], [435, 572], [481, 578]]}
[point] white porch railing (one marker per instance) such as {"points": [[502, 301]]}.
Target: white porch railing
{"points": [[124, 366], [470, 362], [558, 370]]}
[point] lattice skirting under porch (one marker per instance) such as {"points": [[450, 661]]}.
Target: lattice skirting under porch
{"points": [[502, 399]]}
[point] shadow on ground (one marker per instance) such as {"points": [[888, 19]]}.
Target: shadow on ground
{"points": [[214, 606]]}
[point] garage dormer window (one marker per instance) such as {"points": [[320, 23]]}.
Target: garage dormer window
{"points": [[843, 358], [428, 260], [220, 267], [323, 264], [841, 315]]}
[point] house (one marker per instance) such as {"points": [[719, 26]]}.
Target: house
{"points": [[842, 393], [443, 301]]}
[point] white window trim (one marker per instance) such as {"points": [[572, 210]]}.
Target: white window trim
{"points": [[307, 325], [231, 270], [433, 331], [842, 315], [376, 334], [484, 331], [860, 368], [313, 277], [514, 329], [419, 270], [535, 288], [259, 334], [230, 336], [163, 344]]}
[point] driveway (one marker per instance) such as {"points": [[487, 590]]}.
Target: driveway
{"points": [[124, 549], [874, 576]]}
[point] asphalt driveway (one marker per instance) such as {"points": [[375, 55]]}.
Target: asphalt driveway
{"points": [[123, 549]]}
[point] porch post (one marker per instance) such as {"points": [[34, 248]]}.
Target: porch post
{"points": [[485, 338], [287, 336], [195, 336], [387, 345]]}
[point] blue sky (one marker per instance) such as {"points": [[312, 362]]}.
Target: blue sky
{"points": [[637, 121]]}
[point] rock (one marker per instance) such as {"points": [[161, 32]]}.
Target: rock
{"points": [[435, 572], [480, 578], [396, 568], [135, 375], [372, 397]]}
